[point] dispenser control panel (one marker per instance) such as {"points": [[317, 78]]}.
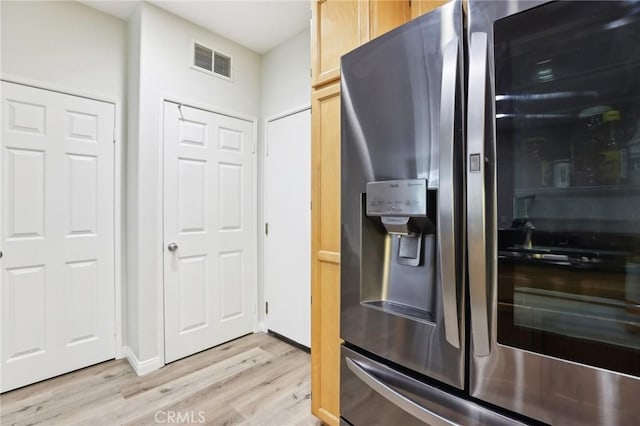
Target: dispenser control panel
{"points": [[397, 198]]}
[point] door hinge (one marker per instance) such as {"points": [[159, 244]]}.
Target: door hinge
{"points": [[266, 228], [266, 308], [114, 141]]}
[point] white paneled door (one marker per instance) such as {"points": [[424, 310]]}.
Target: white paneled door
{"points": [[57, 220], [288, 211], [209, 229]]}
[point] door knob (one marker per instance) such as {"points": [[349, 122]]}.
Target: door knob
{"points": [[173, 247]]}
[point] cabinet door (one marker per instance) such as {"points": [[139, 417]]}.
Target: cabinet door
{"points": [[338, 26], [420, 7], [385, 15], [325, 257]]}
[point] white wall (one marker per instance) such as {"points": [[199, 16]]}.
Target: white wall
{"points": [[133, 100], [286, 75], [64, 44], [286, 85], [164, 70], [67, 46]]}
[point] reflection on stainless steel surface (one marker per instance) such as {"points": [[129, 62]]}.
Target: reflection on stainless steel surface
{"points": [[392, 295], [546, 96], [550, 389], [449, 185], [396, 398], [585, 317], [536, 116], [476, 202], [393, 398], [579, 258]]}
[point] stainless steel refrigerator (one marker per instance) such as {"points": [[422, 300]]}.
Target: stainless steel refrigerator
{"points": [[490, 257]]}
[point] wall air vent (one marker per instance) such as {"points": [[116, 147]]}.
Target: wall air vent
{"points": [[222, 65], [202, 57], [208, 60]]}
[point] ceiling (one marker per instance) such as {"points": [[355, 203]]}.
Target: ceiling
{"points": [[259, 25]]}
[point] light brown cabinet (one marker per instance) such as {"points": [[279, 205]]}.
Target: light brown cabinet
{"points": [[338, 26], [420, 7], [325, 257], [387, 15]]}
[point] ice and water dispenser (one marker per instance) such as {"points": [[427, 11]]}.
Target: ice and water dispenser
{"points": [[399, 248]]}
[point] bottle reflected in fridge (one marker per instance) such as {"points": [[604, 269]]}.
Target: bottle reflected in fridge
{"points": [[634, 157], [588, 141], [613, 166]]}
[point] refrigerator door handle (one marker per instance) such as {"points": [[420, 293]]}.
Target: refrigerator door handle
{"points": [[400, 401], [476, 221], [447, 254]]}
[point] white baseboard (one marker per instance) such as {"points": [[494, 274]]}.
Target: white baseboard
{"points": [[141, 367], [262, 327]]}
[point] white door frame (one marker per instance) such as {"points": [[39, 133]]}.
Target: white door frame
{"points": [[160, 207], [117, 190], [263, 188]]}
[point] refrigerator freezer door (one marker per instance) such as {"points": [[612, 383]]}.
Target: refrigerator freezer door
{"points": [[374, 394]]}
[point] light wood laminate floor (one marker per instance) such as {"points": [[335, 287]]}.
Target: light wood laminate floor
{"points": [[254, 380]]}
